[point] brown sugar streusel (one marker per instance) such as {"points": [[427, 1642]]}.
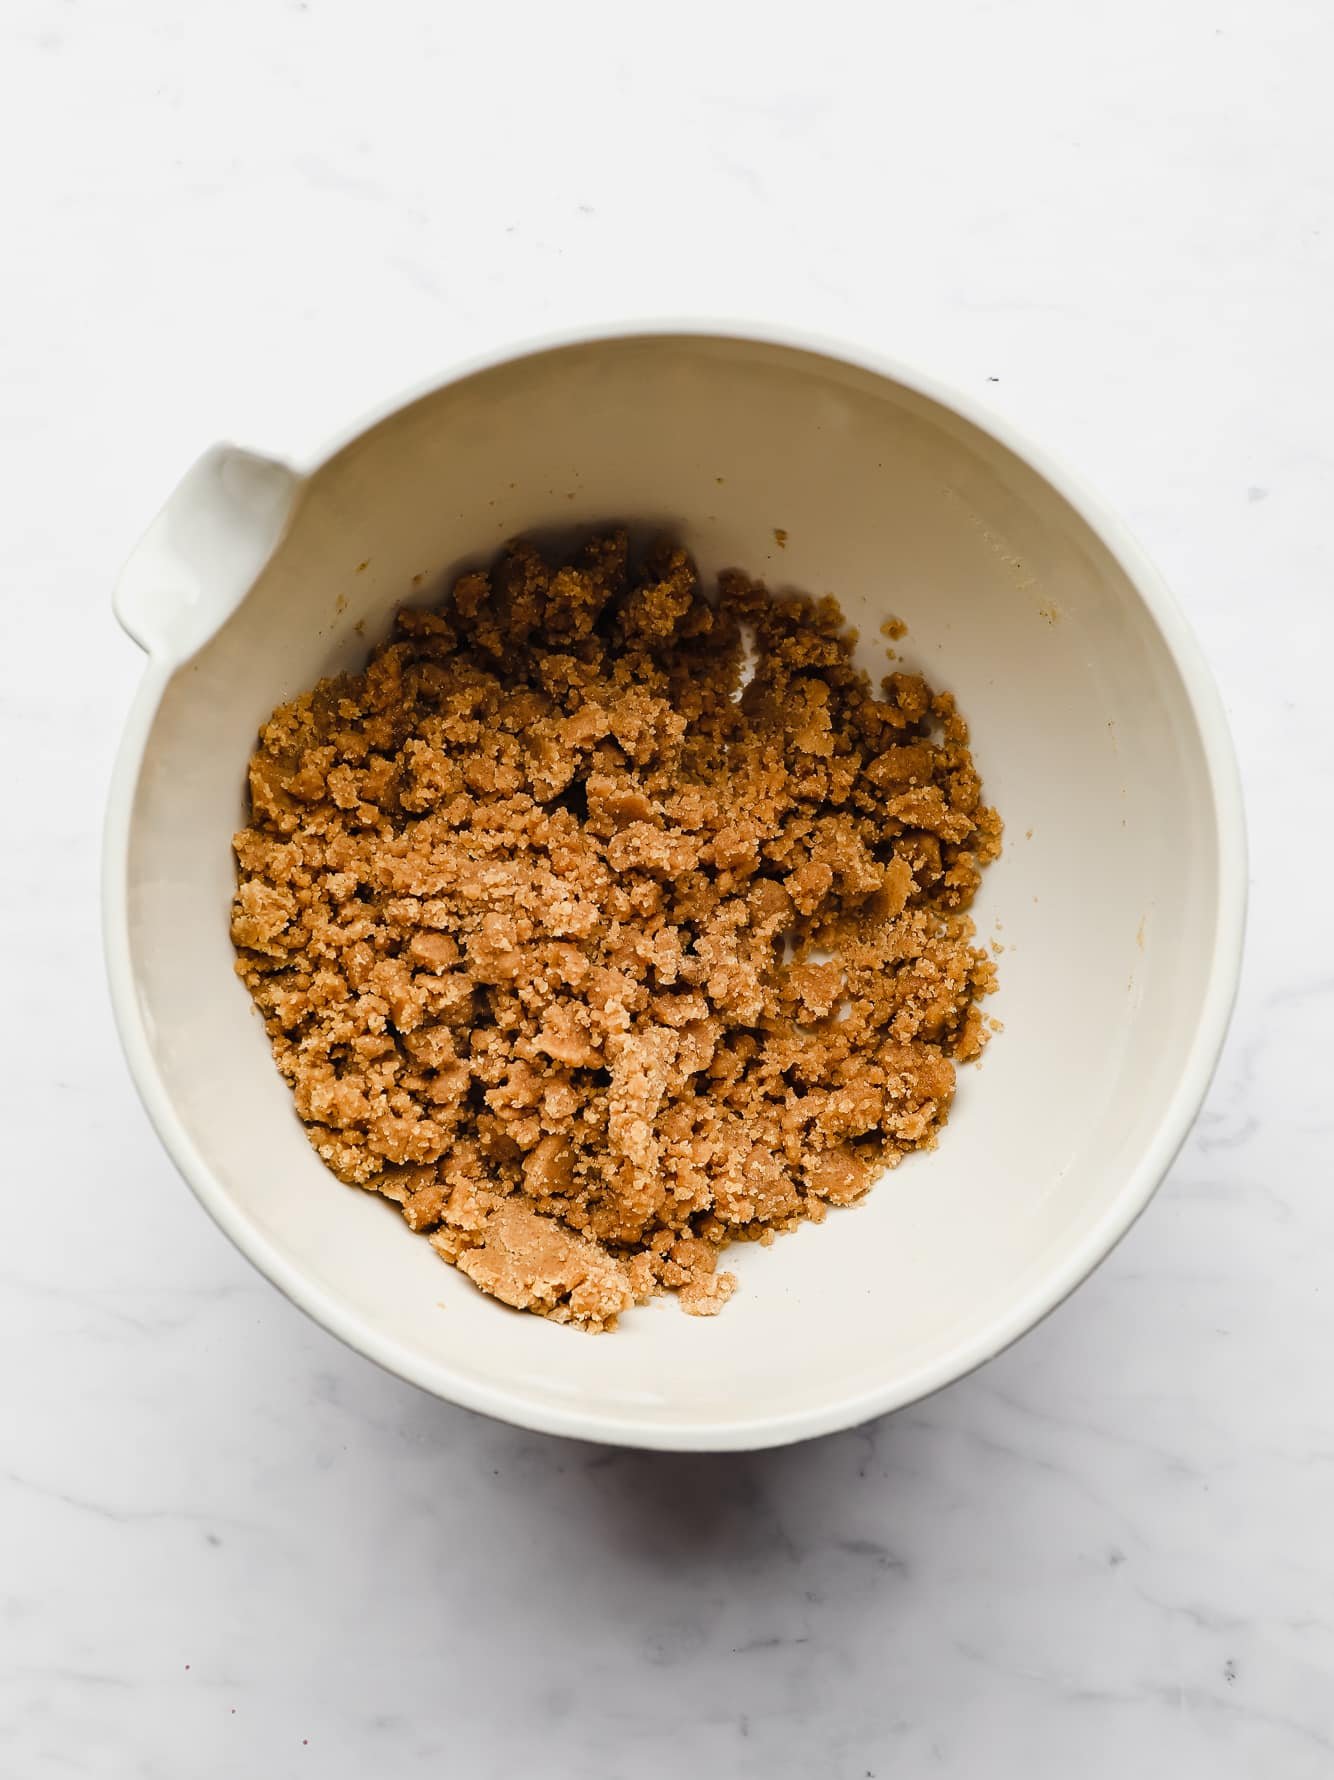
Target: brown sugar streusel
{"points": [[592, 958]]}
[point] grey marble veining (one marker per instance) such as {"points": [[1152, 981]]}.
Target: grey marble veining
{"points": [[229, 1547]]}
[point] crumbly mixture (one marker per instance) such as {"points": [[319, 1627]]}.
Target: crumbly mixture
{"points": [[595, 950]]}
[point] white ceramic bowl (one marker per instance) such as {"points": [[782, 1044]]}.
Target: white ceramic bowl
{"points": [[1119, 898]]}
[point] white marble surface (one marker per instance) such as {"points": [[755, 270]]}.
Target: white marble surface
{"points": [[228, 1547]]}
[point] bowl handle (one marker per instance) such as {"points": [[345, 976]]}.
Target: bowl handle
{"points": [[201, 555]]}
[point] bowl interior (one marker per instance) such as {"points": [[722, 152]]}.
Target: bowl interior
{"points": [[1106, 899]]}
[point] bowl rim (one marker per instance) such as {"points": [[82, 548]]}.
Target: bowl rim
{"points": [[524, 1408]]}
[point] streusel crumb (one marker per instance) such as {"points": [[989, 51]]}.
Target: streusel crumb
{"points": [[592, 958]]}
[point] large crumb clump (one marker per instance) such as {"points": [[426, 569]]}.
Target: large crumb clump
{"points": [[592, 958]]}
